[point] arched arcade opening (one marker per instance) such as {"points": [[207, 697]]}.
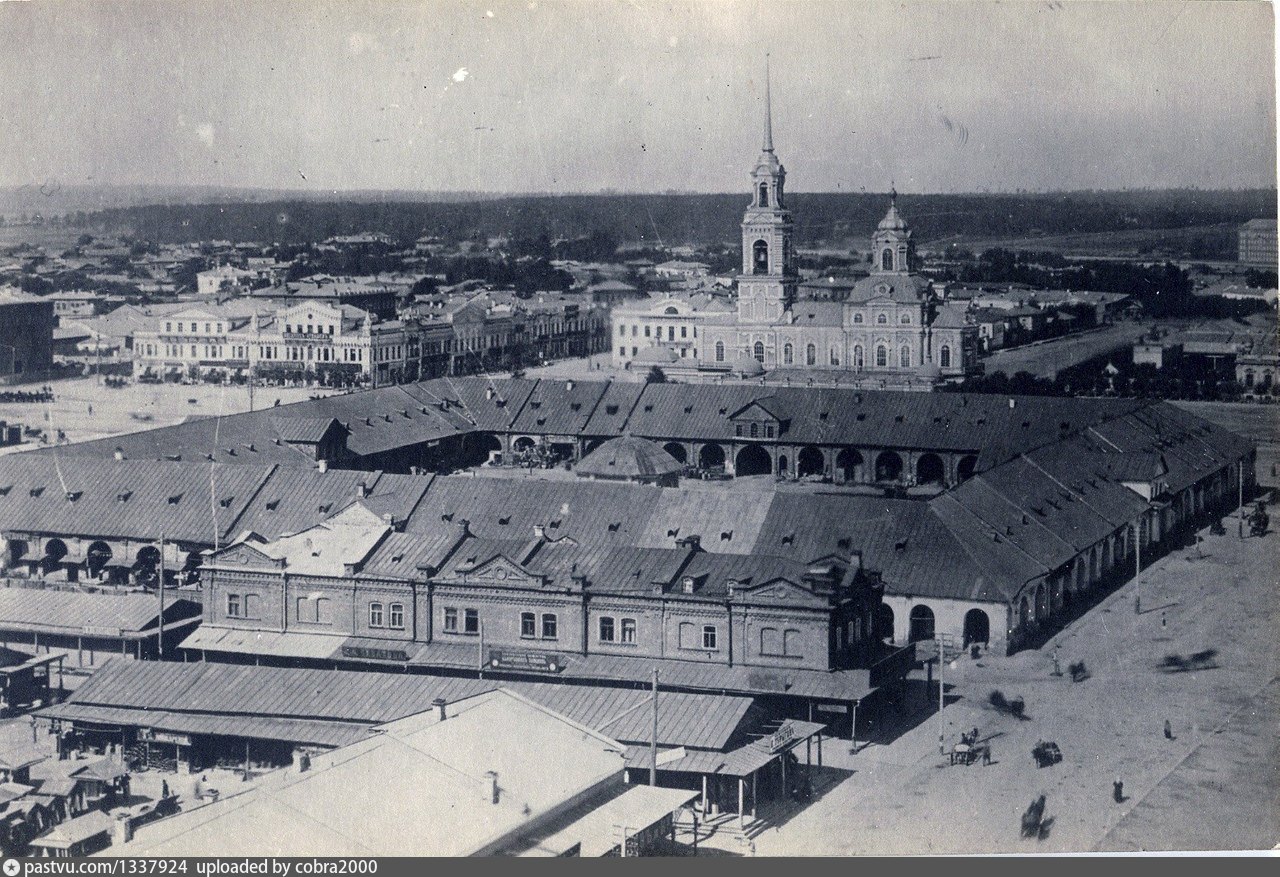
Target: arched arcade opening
{"points": [[752, 460], [888, 466], [922, 626], [810, 462], [929, 470]]}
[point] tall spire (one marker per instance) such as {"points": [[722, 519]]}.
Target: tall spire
{"points": [[768, 109]]}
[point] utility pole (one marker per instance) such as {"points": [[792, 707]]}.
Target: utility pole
{"points": [[1137, 566], [1240, 488], [942, 747], [653, 740], [160, 592]]}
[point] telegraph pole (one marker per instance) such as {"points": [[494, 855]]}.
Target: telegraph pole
{"points": [[1137, 566], [1240, 488], [653, 740], [160, 591], [942, 747]]}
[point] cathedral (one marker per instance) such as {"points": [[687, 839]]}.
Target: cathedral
{"points": [[890, 327]]}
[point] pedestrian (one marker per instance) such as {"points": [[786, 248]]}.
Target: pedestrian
{"points": [[1117, 790], [1162, 620], [986, 754], [1168, 730], [1057, 668], [164, 789]]}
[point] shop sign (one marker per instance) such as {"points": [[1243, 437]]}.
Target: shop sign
{"points": [[781, 737], [832, 708], [155, 736], [372, 654], [535, 662]]}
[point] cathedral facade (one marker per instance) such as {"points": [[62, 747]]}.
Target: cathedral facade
{"points": [[890, 326]]}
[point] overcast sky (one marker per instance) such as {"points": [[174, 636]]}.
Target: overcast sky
{"points": [[637, 95]]}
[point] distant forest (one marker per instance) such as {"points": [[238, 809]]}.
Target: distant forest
{"points": [[675, 219]]}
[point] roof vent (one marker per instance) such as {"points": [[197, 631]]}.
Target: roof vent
{"points": [[36, 491], [1026, 424], [726, 536], [844, 543], [899, 418], [650, 408], [688, 409], [404, 412], [862, 415], [900, 546], [387, 418], [4, 491], [504, 521], [175, 499], [576, 406], [73, 495], [251, 448], [275, 441], [231, 452], [673, 533], [324, 508], [611, 409], [723, 411], [174, 458], [613, 528], [273, 505], [225, 502], [368, 421], [789, 539], [448, 516]]}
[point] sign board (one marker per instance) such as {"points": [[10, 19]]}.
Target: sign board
{"points": [[781, 737], [534, 662], [374, 654], [672, 755], [164, 737], [832, 708]]}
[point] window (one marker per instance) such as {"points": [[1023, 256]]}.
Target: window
{"points": [[768, 430], [882, 356], [755, 430], [635, 329], [882, 319], [709, 637], [757, 350], [606, 629], [168, 327], [905, 320], [835, 356], [886, 260], [193, 327], [646, 331], [470, 621], [791, 643], [857, 318], [528, 625], [451, 620], [788, 354], [622, 331], [395, 616], [628, 630], [857, 356], [233, 606], [904, 357], [375, 615], [684, 331], [764, 194], [760, 258], [549, 626], [324, 614], [738, 429], [810, 355], [622, 351], [944, 357], [719, 351], [671, 333], [770, 642]]}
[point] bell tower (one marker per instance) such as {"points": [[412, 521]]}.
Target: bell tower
{"points": [[768, 283], [892, 250]]}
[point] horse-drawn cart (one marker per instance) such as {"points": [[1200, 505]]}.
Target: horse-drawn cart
{"points": [[1046, 754]]}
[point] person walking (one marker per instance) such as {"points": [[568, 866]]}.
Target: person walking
{"points": [[1168, 730], [986, 754], [1117, 791]]}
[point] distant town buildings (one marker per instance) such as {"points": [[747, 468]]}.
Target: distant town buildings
{"points": [[1257, 243]]}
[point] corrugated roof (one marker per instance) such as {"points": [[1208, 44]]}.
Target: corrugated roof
{"points": [[71, 611]]}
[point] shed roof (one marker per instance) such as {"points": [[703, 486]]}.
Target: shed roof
{"points": [[628, 457]]}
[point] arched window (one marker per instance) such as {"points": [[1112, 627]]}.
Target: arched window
{"points": [[944, 357], [670, 311], [788, 354], [886, 260], [760, 258], [904, 357], [857, 356], [882, 356], [757, 350], [755, 430], [906, 320], [719, 351], [811, 355], [764, 194], [882, 319], [857, 318], [1248, 378], [835, 356]]}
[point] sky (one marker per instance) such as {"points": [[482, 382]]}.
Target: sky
{"points": [[637, 96]]}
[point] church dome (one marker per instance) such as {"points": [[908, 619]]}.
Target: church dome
{"points": [[656, 356], [893, 220], [747, 367]]}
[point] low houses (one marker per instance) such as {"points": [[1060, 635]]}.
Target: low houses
{"points": [[456, 780]]}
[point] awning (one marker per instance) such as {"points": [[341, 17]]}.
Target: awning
{"points": [[595, 832], [740, 762], [267, 643]]}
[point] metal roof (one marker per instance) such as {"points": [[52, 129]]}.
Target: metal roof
{"points": [[89, 614]]}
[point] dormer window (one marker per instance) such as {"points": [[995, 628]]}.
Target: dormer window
{"points": [[686, 584]]}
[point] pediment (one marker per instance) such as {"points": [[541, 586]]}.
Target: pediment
{"points": [[781, 590], [501, 570], [245, 555]]}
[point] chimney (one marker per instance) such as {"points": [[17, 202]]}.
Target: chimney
{"points": [[304, 762], [442, 706], [119, 454], [539, 531], [362, 490], [488, 394], [122, 830], [324, 465], [568, 385], [1013, 403], [491, 778]]}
